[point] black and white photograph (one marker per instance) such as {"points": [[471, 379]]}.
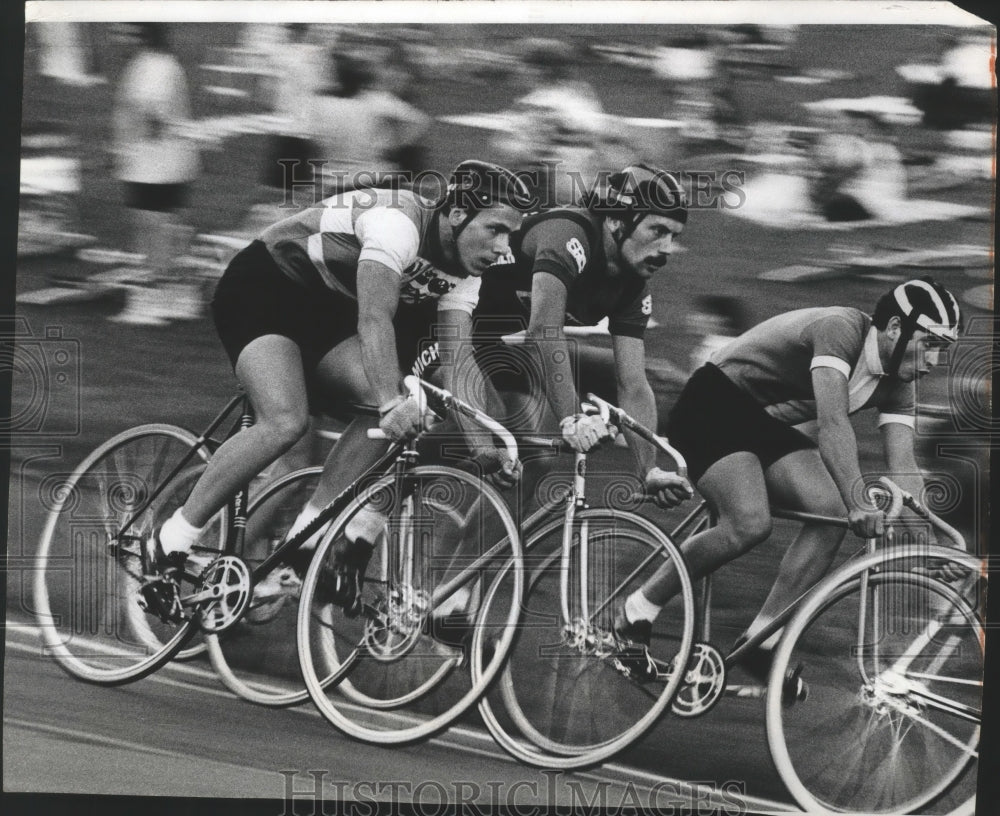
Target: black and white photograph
{"points": [[520, 406]]}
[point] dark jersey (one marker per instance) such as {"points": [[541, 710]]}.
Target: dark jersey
{"points": [[565, 243]]}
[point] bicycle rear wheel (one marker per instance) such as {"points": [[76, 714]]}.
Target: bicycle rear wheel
{"points": [[893, 662], [561, 702], [256, 658], [90, 569], [389, 676]]}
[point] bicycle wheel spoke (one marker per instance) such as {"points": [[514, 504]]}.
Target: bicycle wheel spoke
{"points": [[562, 701], [89, 582], [421, 593], [890, 720], [256, 659]]}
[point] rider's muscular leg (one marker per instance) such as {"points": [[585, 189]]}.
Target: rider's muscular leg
{"points": [[270, 370], [735, 489], [800, 481], [341, 375]]}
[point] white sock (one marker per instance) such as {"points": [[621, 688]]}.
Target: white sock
{"points": [[178, 534], [638, 607], [306, 515], [367, 525]]}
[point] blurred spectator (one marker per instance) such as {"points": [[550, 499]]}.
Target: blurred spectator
{"points": [[715, 320], [858, 171], [963, 92], [65, 53], [298, 69], [554, 128], [362, 128], [156, 164]]}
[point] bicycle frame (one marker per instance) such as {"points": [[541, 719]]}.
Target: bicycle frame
{"points": [[204, 441], [864, 650]]}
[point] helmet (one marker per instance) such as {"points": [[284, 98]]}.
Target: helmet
{"points": [[635, 192], [919, 304], [475, 185]]}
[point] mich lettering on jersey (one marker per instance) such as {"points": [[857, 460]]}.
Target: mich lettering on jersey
{"points": [[423, 281]]}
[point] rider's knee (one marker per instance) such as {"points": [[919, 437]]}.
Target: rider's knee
{"points": [[746, 532], [286, 428]]}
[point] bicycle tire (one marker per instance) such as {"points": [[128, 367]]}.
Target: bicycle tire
{"points": [[389, 681], [550, 677], [96, 637], [877, 743], [254, 657]]}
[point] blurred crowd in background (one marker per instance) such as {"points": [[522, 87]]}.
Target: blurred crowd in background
{"points": [[223, 117]]}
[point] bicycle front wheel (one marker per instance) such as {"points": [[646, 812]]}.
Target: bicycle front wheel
{"points": [[90, 565], [892, 659], [390, 675], [256, 658], [562, 701]]}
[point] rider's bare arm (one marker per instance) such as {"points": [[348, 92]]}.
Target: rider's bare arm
{"points": [[547, 341], [378, 297], [897, 442], [461, 375], [635, 396], [389, 244], [838, 446]]}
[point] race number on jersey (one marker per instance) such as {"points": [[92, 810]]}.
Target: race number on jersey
{"points": [[575, 248]]}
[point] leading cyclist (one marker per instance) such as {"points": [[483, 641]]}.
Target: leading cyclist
{"points": [[734, 424], [333, 299]]}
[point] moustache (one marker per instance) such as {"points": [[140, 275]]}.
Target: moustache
{"points": [[656, 261]]}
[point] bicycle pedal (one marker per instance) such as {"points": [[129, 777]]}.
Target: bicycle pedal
{"points": [[161, 597]]}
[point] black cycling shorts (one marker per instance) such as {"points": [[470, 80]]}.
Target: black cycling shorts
{"points": [[155, 197], [714, 418], [255, 298]]}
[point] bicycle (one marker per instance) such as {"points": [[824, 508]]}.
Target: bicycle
{"points": [[96, 572], [898, 647], [400, 651], [579, 568]]}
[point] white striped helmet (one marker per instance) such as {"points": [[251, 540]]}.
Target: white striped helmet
{"points": [[919, 304], [924, 304]]}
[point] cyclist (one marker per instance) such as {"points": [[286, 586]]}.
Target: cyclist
{"points": [[734, 424], [577, 266], [332, 300]]}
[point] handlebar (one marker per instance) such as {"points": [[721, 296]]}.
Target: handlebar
{"points": [[899, 498], [417, 389], [610, 412]]}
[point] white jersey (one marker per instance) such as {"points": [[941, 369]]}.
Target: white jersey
{"points": [[322, 246]]}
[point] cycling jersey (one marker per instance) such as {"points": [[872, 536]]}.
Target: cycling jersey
{"points": [[773, 362], [321, 246], [566, 243]]}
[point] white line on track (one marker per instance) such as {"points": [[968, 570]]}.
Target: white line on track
{"points": [[613, 773]]}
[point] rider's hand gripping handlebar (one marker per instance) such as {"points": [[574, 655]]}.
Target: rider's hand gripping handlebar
{"points": [[417, 389]]}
